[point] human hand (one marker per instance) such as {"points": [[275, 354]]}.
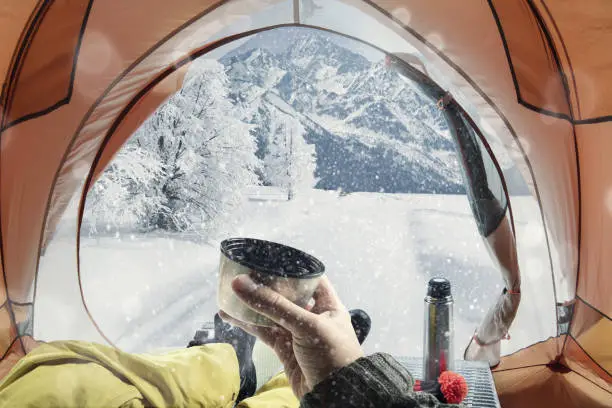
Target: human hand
{"points": [[311, 344]]}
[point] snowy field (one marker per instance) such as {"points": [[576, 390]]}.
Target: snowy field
{"points": [[152, 291]]}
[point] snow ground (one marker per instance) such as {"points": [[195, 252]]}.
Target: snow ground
{"points": [[152, 291]]}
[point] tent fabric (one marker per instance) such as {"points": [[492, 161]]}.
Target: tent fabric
{"points": [[538, 354], [578, 360], [594, 278], [537, 376], [28, 93], [543, 68], [80, 76], [539, 386], [589, 344]]}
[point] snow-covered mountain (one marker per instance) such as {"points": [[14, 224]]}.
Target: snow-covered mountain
{"points": [[373, 130]]}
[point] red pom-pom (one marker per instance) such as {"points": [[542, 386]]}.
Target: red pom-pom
{"points": [[453, 387]]}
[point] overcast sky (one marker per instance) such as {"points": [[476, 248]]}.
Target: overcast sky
{"points": [[331, 14]]}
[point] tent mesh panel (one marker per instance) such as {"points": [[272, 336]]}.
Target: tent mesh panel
{"points": [[481, 388]]}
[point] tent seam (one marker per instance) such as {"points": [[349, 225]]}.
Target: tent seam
{"points": [[66, 101], [68, 97], [567, 92], [519, 368], [576, 153], [589, 355], [565, 51], [531, 345], [593, 307], [591, 381], [22, 48], [546, 365], [570, 118]]}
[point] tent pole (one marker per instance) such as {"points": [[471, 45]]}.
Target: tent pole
{"points": [[296, 11]]}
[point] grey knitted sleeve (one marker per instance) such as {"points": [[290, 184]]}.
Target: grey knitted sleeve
{"points": [[376, 381]]}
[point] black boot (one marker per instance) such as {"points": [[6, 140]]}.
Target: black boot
{"points": [[243, 344], [361, 324]]}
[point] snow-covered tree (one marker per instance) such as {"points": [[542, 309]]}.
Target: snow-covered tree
{"points": [[288, 161], [126, 193], [186, 167]]}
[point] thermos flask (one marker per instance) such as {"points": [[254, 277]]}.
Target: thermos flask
{"points": [[438, 341]]}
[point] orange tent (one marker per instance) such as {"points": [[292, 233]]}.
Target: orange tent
{"points": [[80, 76]]}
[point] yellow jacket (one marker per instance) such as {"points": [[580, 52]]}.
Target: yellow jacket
{"points": [[82, 374]]}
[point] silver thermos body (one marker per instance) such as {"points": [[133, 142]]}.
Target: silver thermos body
{"points": [[438, 341]]}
